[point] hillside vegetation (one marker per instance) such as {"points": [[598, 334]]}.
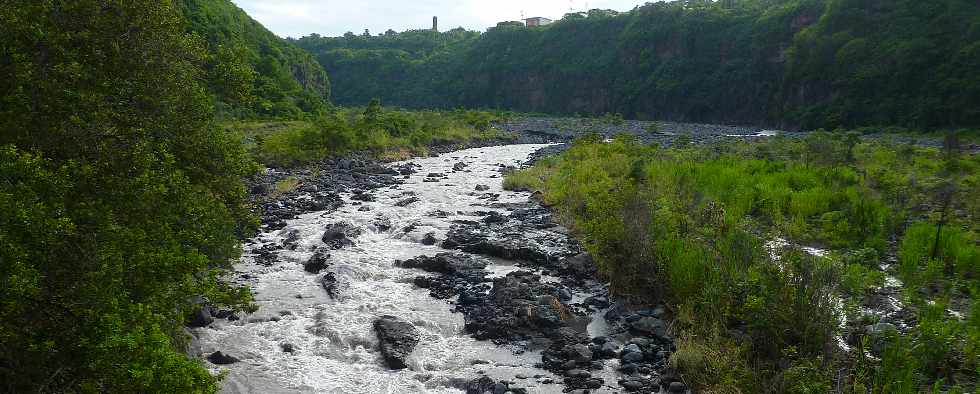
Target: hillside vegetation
{"points": [[722, 234], [796, 63], [390, 134], [121, 200], [282, 81]]}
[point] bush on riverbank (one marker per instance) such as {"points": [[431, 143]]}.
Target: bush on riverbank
{"points": [[386, 132], [121, 201], [698, 227]]}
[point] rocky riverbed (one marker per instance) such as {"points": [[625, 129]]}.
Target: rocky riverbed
{"points": [[426, 276]]}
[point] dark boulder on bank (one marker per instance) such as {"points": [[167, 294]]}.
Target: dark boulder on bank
{"points": [[581, 266], [398, 338], [201, 317]]}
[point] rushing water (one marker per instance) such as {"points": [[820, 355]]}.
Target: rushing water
{"points": [[336, 346]]}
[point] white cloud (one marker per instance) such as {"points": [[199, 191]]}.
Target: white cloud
{"points": [[298, 18]]}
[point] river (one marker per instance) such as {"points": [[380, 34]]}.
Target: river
{"points": [[334, 347]]}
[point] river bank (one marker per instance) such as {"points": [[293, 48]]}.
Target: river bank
{"points": [[498, 294], [426, 276]]}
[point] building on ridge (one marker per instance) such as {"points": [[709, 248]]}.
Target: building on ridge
{"points": [[537, 21]]}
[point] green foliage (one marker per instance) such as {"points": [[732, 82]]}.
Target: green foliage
{"points": [[858, 279], [120, 199], [807, 377], [405, 69], [795, 63], [690, 226], [282, 81], [389, 133]]}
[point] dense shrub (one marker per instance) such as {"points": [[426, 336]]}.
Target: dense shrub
{"points": [[120, 199]]}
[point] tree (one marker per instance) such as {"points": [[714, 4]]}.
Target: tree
{"points": [[120, 199], [373, 111]]}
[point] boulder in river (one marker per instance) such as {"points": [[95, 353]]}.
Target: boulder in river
{"points": [[408, 201], [339, 235], [329, 283], [318, 262], [398, 338], [220, 358]]}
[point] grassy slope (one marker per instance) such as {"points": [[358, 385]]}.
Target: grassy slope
{"points": [[703, 215]]}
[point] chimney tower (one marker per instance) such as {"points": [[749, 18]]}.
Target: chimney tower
{"points": [[435, 23]]}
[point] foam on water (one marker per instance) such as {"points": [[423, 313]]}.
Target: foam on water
{"points": [[334, 338]]}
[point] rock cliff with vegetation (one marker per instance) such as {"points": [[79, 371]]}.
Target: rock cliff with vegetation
{"points": [[795, 64]]}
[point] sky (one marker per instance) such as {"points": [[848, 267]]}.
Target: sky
{"points": [[297, 18]]}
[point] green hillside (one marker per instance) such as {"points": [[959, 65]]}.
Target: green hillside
{"points": [[286, 81], [794, 64]]}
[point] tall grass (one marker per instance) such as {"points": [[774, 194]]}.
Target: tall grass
{"points": [[689, 226], [388, 133]]}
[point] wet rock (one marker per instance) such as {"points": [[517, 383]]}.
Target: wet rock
{"points": [[597, 302], [405, 169], [429, 239], [329, 283], [608, 350], [511, 244], [632, 385], [398, 339], [365, 197], [291, 240], [511, 310], [485, 384], [580, 353], [446, 263], [460, 273], [201, 317], [382, 223], [408, 201], [632, 357], [318, 262], [339, 235], [287, 347], [494, 217], [436, 175], [266, 256], [482, 188], [220, 358], [650, 326], [677, 387], [628, 368], [459, 167], [580, 265]]}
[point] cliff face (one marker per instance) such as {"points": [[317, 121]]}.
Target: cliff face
{"points": [[789, 64]]}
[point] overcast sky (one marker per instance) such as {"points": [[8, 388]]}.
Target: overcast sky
{"points": [[297, 18]]}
